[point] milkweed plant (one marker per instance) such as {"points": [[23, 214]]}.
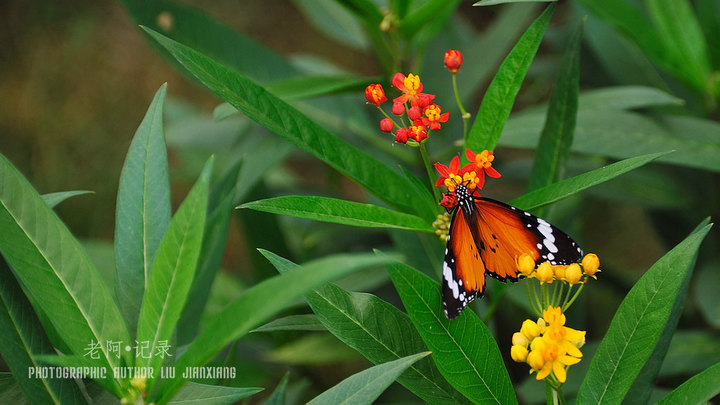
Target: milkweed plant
{"points": [[165, 325]]}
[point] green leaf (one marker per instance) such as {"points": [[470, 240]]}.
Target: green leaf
{"points": [[620, 135], [626, 98], [278, 396], [697, 390], [557, 135], [53, 267], [53, 199], [21, 338], [568, 187], [683, 41], [315, 86], [143, 210], [340, 212], [500, 95], [172, 273], [424, 15], [644, 383], [638, 324], [200, 31], [308, 323], [379, 331], [690, 352], [10, 392], [220, 208], [204, 394], [704, 283], [463, 349], [83, 361], [313, 350], [495, 2], [365, 386], [284, 120], [244, 314], [337, 23]]}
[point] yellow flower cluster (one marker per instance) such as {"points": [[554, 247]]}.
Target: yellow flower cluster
{"points": [[442, 226], [546, 273], [548, 346]]}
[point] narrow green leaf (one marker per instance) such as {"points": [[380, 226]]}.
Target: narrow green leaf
{"points": [[78, 362], [53, 267], [244, 314], [626, 98], [143, 210], [568, 187], [336, 22], [365, 386], [340, 212], [284, 120], [495, 2], [220, 208], [500, 95], [172, 273], [424, 15], [10, 392], [704, 283], [642, 388], [638, 324], [557, 135], [691, 351], [204, 394], [21, 338], [53, 199], [308, 323], [316, 349], [683, 41], [314, 86], [697, 390], [278, 396], [621, 134], [200, 31], [379, 331], [463, 349]]}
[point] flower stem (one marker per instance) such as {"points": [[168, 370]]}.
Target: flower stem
{"points": [[430, 172], [577, 293], [465, 115]]}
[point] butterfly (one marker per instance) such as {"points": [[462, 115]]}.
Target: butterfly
{"points": [[486, 237]]}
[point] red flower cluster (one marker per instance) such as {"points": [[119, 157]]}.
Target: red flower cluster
{"points": [[423, 114], [472, 175]]}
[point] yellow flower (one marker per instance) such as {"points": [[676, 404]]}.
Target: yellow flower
{"points": [[553, 346], [559, 272], [544, 273], [591, 264], [573, 274], [530, 329], [519, 353], [525, 264]]}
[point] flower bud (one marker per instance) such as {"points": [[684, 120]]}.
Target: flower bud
{"points": [[525, 264], [425, 100], [398, 109], [414, 113], [544, 273], [375, 94], [535, 360], [401, 135], [573, 273], [530, 329], [386, 125], [591, 264], [519, 353], [519, 339], [559, 272], [453, 60]]}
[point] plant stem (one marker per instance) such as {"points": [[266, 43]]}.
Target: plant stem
{"points": [[430, 172], [465, 115]]}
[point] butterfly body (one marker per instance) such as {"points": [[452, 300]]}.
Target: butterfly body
{"points": [[487, 237]]}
